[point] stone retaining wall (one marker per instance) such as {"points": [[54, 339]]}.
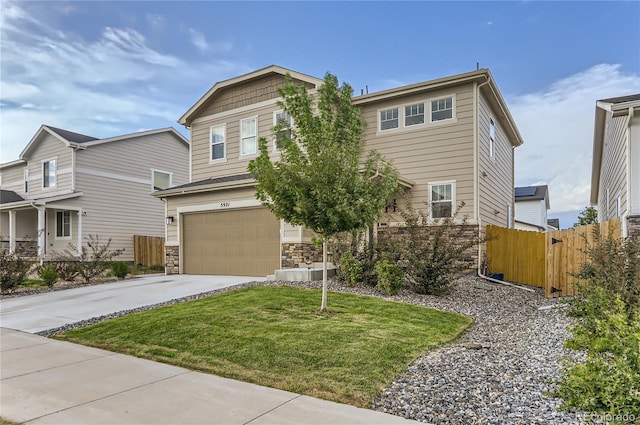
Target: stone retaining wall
{"points": [[293, 254]]}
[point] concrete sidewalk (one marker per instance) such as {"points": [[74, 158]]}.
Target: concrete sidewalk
{"points": [[44, 381]]}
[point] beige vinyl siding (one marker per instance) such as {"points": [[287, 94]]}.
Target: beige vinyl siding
{"points": [[250, 92], [116, 182], [13, 178], [433, 152], [234, 164], [614, 167], [201, 199], [26, 224], [496, 189], [47, 148]]}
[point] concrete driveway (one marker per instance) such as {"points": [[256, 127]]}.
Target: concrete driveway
{"points": [[35, 313]]}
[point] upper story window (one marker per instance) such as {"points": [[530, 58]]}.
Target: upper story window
{"points": [[26, 180], [248, 136], [492, 138], [218, 142], [282, 119], [49, 173], [441, 199], [161, 180], [442, 109], [414, 114], [63, 224], [389, 119]]}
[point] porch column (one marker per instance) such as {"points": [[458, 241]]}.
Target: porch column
{"points": [[12, 232], [79, 243], [42, 228]]}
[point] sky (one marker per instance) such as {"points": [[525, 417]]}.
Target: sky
{"points": [[111, 68]]}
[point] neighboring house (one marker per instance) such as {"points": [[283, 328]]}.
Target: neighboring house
{"points": [[532, 203], [452, 140], [615, 173], [553, 224], [66, 186]]}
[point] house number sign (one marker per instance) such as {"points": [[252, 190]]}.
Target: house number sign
{"points": [[225, 204]]}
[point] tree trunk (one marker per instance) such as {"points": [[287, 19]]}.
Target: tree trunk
{"points": [[324, 275]]}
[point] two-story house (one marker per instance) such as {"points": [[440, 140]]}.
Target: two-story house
{"points": [[452, 140], [66, 185], [615, 173], [532, 204]]}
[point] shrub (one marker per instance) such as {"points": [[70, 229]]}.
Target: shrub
{"points": [[156, 267], [14, 269], [390, 276], [350, 268], [607, 328], [120, 269], [67, 270], [92, 262], [431, 254], [49, 275]]}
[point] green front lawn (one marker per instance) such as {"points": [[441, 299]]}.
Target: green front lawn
{"points": [[276, 336]]}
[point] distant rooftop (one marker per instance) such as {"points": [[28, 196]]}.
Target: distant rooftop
{"points": [[533, 193]]}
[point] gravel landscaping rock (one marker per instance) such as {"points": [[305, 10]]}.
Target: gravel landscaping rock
{"points": [[498, 372]]}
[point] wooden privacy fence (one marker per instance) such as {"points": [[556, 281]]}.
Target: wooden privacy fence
{"points": [[148, 250], [546, 260]]}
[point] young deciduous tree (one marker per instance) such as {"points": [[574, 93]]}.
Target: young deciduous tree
{"points": [[588, 215], [321, 180]]}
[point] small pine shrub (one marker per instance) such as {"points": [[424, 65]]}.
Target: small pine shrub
{"points": [[49, 275], [390, 276], [350, 268], [119, 269]]}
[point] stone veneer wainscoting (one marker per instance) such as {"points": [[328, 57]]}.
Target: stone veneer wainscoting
{"points": [[172, 259]]}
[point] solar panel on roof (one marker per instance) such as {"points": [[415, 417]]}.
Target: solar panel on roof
{"points": [[525, 191]]}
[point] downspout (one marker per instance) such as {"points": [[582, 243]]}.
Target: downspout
{"points": [[624, 228], [476, 195]]}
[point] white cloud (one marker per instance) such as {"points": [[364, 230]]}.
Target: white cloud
{"points": [[557, 127], [112, 85], [198, 39]]}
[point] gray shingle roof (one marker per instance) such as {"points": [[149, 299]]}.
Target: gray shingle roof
{"points": [[71, 136], [555, 222], [225, 179], [9, 196]]}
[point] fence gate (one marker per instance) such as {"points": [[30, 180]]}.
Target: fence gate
{"points": [[546, 260], [148, 250]]}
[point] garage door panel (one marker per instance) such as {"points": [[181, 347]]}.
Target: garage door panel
{"points": [[239, 242]]}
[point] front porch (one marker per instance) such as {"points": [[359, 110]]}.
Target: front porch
{"points": [[37, 228]]}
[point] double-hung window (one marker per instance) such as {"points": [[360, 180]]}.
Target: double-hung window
{"points": [[161, 180], [414, 114], [49, 173], [282, 121], [389, 119], [63, 224], [442, 109], [441, 199], [249, 136], [218, 138]]}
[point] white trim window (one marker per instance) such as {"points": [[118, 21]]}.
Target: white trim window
{"points": [[217, 137], [389, 119], [442, 109], [442, 199], [161, 179], [283, 122], [63, 224], [249, 136], [26, 180], [414, 114], [492, 138], [49, 173]]}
